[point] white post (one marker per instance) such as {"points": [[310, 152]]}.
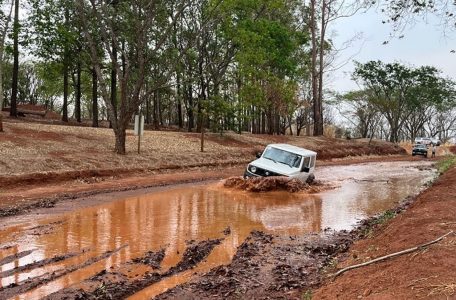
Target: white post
{"points": [[139, 129]]}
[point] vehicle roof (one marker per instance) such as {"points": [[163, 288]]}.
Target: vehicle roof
{"points": [[294, 149]]}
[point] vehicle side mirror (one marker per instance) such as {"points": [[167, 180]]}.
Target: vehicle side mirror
{"points": [[258, 155], [306, 169]]}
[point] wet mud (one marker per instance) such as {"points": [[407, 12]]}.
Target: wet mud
{"points": [[24, 208], [121, 287], [278, 267], [267, 184], [151, 258]]}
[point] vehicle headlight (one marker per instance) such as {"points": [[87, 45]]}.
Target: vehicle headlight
{"points": [[253, 169], [267, 173]]}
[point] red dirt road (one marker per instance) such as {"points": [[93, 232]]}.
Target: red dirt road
{"points": [[427, 273]]}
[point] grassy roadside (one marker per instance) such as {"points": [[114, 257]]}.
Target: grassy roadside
{"points": [[446, 163]]}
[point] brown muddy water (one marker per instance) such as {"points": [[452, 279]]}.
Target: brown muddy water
{"points": [[111, 235]]}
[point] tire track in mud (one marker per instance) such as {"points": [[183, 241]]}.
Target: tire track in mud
{"points": [[16, 256], [38, 264], [29, 284], [112, 285]]}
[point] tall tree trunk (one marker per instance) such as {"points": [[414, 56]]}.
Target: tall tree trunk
{"points": [[318, 129], [13, 110], [263, 122], [77, 104], [179, 102], [120, 134], [191, 115], [94, 99], [147, 110], [114, 81], [156, 115], [315, 99], [66, 62]]}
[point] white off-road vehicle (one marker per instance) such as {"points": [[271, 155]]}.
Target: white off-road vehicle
{"points": [[283, 160]]}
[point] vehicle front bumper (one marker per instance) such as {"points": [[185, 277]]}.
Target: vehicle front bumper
{"points": [[420, 152], [248, 174]]}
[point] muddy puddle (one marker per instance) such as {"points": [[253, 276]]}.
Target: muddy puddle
{"points": [[125, 237]]}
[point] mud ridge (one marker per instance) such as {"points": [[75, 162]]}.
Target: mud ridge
{"points": [[152, 259], [22, 209], [37, 264], [14, 257], [122, 288], [62, 176]]}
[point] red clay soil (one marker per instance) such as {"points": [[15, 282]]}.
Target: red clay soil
{"points": [[427, 273], [453, 149]]}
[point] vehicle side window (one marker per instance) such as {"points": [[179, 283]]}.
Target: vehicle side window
{"points": [[306, 162], [312, 162]]}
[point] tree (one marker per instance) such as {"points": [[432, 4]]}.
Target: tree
{"points": [[56, 37], [405, 12], [140, 36], [321, 15], [358, 109], [400, 92]]}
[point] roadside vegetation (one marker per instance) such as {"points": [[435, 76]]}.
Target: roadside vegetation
{"points": [[444, 164]]}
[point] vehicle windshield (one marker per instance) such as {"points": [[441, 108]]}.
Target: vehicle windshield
{"points": [[420, 146], [281, 156]]}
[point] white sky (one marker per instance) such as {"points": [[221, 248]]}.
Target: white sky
{"points": [[422, 44]]}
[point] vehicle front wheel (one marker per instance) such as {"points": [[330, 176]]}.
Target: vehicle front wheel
{"points": [[310, 179]]}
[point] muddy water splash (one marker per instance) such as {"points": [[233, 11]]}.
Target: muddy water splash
{"points": [[169, 219]]}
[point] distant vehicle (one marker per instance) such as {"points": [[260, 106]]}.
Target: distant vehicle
{"points": [[420, 149], [423, 140], [435, 141], [283, 160]]}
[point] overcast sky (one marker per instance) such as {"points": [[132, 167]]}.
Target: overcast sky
{"points": [[422, 44]]}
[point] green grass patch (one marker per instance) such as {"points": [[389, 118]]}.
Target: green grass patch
{"points": [[380, 220], [307, 295], [385, 217], [446, 163]]}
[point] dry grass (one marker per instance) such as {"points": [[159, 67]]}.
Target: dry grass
{"points": [[435, 290], [32, 147]]}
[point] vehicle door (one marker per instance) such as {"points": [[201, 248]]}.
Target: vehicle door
{"points": [[305, 168]]}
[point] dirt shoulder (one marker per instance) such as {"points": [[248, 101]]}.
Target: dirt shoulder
{"points": [[427, 273]]}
